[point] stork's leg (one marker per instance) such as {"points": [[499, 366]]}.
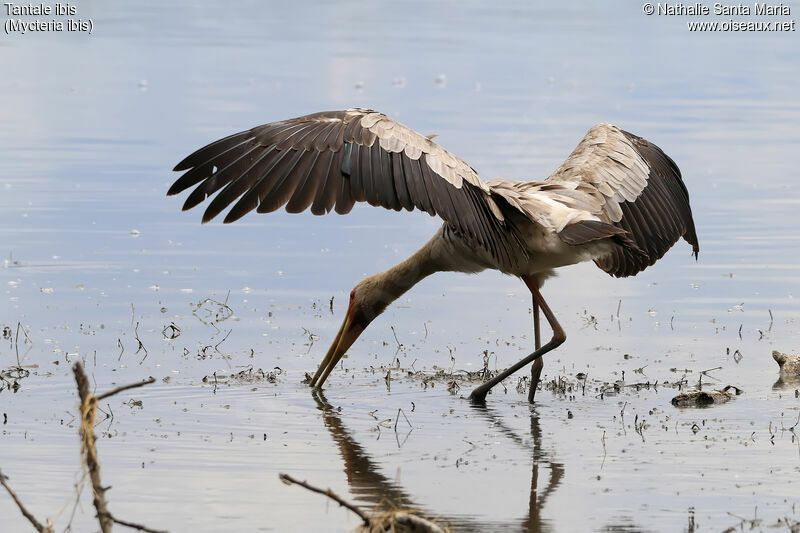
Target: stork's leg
{"points": [[538, 365], [479, 394]]}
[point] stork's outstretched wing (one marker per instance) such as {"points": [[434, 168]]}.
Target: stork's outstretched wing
{"points": [[633, 185], [333, 159]]}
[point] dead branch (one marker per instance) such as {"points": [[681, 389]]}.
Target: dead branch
{"points": [[384, 522], [88, 409], [133, 525], [36, 524], [289, 480], [125, 387]]}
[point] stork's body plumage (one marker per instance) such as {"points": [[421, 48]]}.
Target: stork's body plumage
{"points": [[617, 200]]}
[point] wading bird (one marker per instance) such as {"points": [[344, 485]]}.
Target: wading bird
{"points": [[617, 200]]}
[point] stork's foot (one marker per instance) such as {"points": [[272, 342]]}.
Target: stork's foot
{"points": [[536, 374], [478, 395]]}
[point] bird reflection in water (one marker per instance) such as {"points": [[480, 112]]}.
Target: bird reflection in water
{"points": [[370, 486], [787, 382]]}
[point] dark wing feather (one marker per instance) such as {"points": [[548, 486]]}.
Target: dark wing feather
{"points": [[304, 192], [331, 160], [400, 180], [236, 188], [326, 191], [637, 187], [207, 153]]}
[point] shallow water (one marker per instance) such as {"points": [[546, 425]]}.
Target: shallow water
{"points": [[92, 248]]}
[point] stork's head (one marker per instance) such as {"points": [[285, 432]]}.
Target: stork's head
{"points": [[368, 299]]}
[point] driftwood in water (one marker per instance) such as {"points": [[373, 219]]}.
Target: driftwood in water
{"points": [[705, 398], [790, 364]]}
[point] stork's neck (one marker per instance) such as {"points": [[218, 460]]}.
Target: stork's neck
{"points": [[375, 293], [397, 280]]}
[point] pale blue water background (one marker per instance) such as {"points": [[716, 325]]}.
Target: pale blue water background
{"points": [[92, 126]]}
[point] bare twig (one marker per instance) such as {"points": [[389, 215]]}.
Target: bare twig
{"points": [[16, 342], [603, 440], [112, 392], [795, 424], [133, 525], [399, 344], [88, 409], [312, 338], [24, 332], [383, 522], [397, 419], [289, 480], [35, 523], [141, 346], [222, 312], [171, 332], [706, 373], [216, 346], [78, 491]]}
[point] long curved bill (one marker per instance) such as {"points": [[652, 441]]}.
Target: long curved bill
{"points": [[351, 328]]}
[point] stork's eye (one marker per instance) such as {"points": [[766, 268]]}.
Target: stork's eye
{"points": [[352, 294]]}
